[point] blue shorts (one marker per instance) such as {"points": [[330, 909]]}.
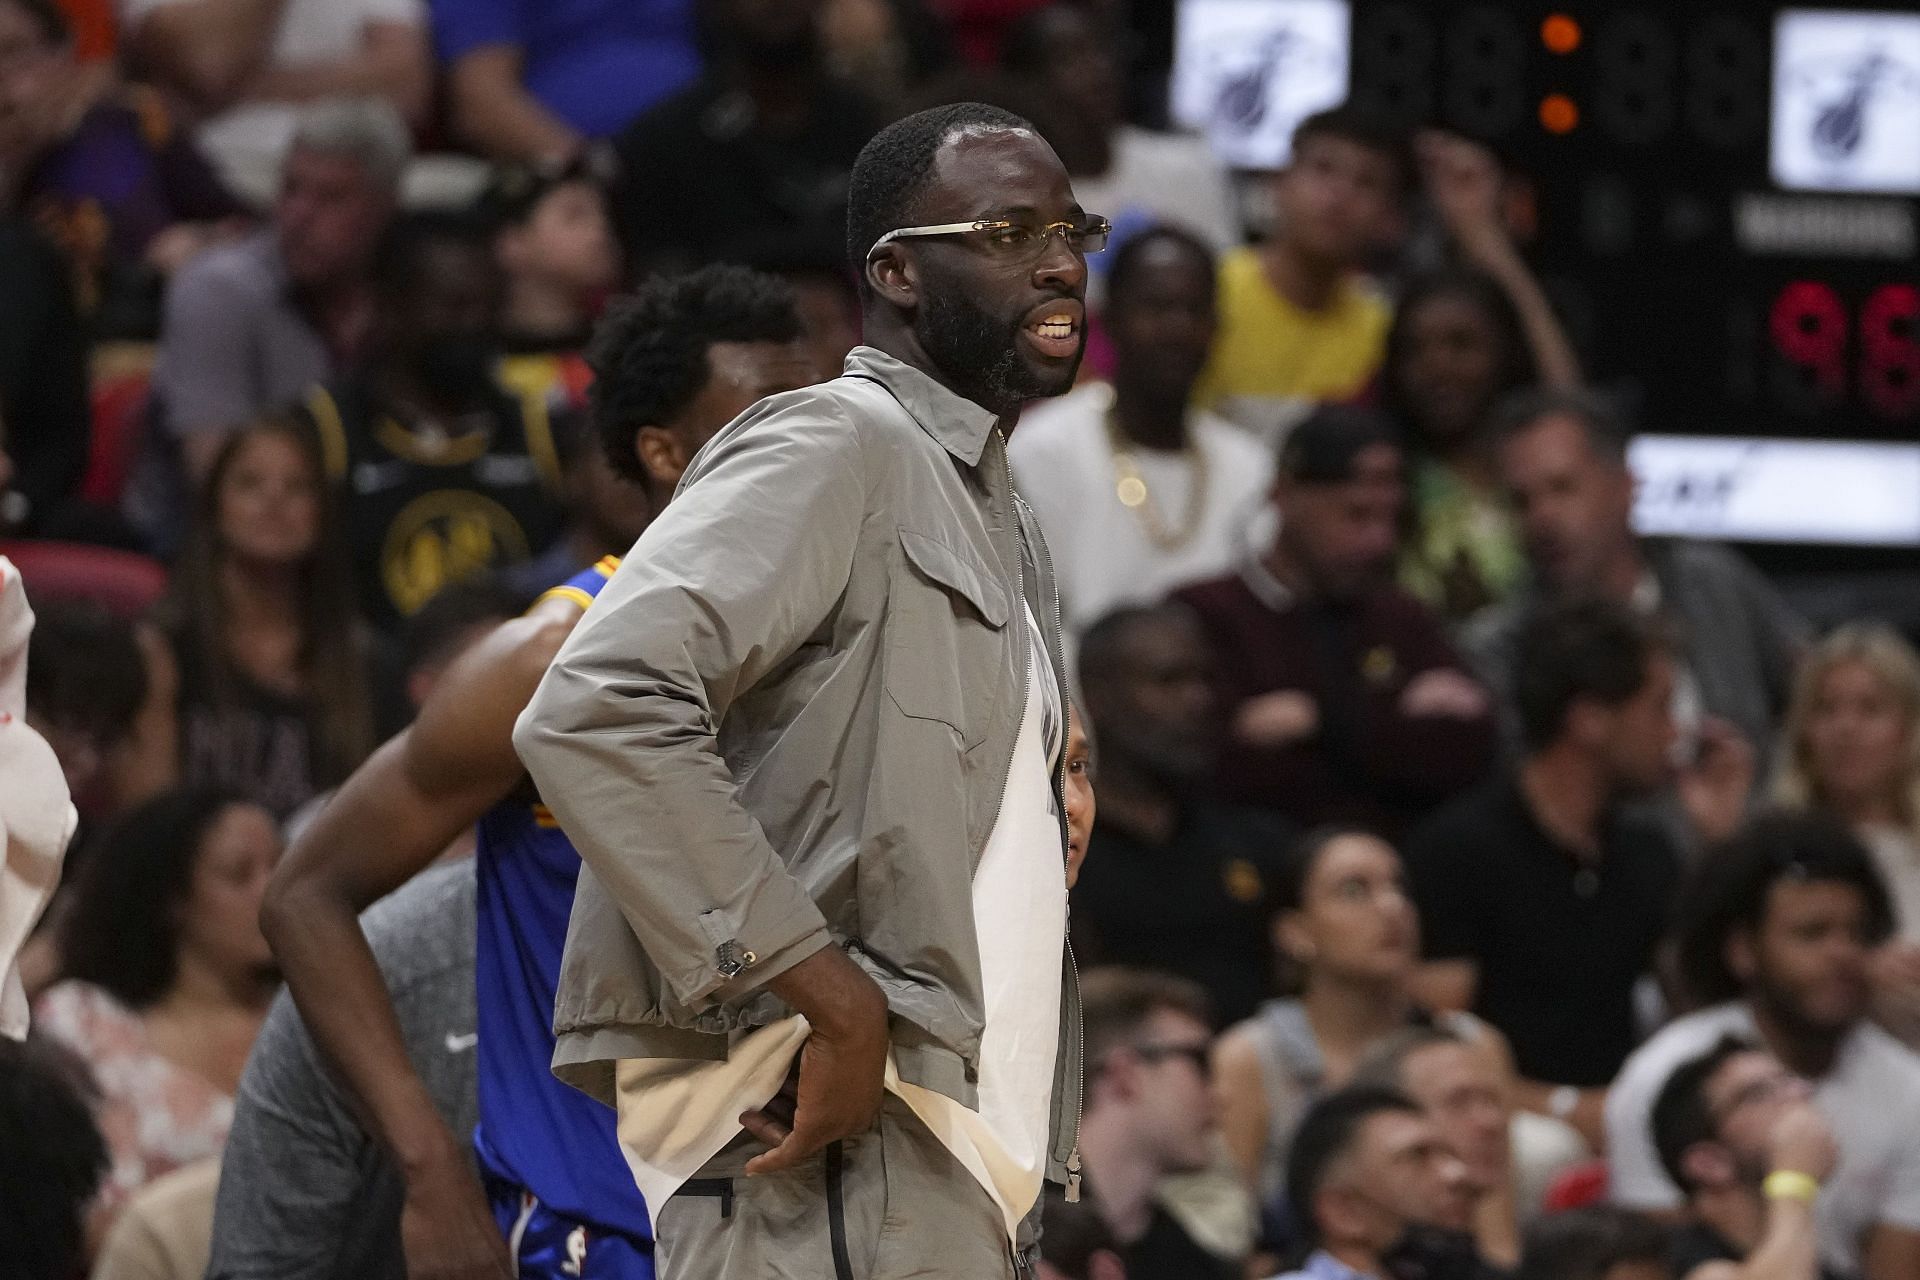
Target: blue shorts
{"points": [[547, 1246]]}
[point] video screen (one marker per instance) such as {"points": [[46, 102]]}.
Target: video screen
{"points": [[1246, 72], [1846, 101]]}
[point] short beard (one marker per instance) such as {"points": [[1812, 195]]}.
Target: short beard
{"points": [[977, 352]]}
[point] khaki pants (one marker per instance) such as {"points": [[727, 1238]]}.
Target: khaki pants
{"points": [[890, 1204]]}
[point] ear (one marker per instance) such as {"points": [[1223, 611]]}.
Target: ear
{"points": [[662, 454], [1743, 958], [892, 275], [1340, 1216], [1708, 1165], [509, 248]]}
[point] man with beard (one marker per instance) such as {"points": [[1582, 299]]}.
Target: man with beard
{"points": [[441, 474], [1777, 928], [1347, 704], [1175, 880], [807, 741], [753, 159]]}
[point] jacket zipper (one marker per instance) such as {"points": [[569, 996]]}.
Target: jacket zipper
{"points": [[1045, 557]]}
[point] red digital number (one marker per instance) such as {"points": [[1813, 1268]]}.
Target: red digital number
{"points": [[1809, 324], [1890, 350]]}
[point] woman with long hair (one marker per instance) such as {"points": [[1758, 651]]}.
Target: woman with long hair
{"points": [[1350, 940], [274, 685], [167, 976], [1852, 750], [1455, 351]]}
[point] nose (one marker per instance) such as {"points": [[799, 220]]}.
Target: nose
{"points": [[1060, 267]]}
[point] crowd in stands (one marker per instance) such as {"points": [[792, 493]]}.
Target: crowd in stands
{"points": [[1466, 886]]}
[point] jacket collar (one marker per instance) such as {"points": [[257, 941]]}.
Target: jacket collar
{"points": [[960, 425]]}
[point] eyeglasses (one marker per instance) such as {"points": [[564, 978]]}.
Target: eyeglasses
{"points": [[1195, 1053], [1006, 238]]}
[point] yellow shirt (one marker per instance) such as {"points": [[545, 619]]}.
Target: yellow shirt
{"points": [[1272, 360]]}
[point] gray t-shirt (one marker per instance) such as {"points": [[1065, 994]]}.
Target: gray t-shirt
{"points": [[305, 1192]]}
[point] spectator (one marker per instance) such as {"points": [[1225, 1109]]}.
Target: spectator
{"points": [[1297, 326], [557, 249], [249, 68], [450, 624], [1347, 703], [1367, 1180], [1069, 57], [306, 1193], [51, 1160], [1075, 1241], [1454, 352], [44, 427], [1139, 493], [1148, 1114], [250, 326], [1081, 808], [1542, 903], [275, 680], [535, 84], [1775, 931], [1174, 880], [891, 47], [1347, 929], [756, 153], [442, 474], [124, 191], [1562, 457], [1464, 1082], [1597, 1243], [1738, 1134], [167, 977], [1851, 749]]}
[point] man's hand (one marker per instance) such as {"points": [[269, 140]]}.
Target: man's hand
{"points": [[1467, 188], [1446, 693], [1715, 787], [1802, 1142], [842, 1065], [1276, 719], [447, 1232]]}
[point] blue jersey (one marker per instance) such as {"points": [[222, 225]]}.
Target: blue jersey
{"points": [[534, 1131]]}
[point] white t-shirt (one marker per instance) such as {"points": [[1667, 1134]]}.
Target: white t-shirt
{"points": [[1102, 555], [248, 141], [1871, 1098], [1899, 862], [677, 1115]]}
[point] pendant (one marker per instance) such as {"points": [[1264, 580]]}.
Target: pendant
{"points": [[1132, 491]]}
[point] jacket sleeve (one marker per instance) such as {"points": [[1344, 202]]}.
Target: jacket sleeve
{"points": [[1429, 757], [620, 737]]}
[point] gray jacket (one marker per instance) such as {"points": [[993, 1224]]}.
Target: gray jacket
{"points": [[788, 721]]}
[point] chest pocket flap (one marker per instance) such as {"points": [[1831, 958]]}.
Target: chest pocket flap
{"points": [[961, 574]]}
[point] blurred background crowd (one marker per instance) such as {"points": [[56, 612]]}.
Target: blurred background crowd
{"points": [[1473, 873]]}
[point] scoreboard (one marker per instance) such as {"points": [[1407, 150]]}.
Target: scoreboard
{"points": [[1727, 192]]}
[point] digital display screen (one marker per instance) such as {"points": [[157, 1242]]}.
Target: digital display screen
{"points": [[1247, 72], [1846, 101], [1830, 492]]}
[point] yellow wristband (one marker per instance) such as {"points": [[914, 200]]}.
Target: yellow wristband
{"points": [[1790, 1184]]}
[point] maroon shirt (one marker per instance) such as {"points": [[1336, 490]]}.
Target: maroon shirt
{"points": [[1369, 763]]}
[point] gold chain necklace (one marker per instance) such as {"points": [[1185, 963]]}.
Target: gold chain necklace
{"points": [[1130, 486]]}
